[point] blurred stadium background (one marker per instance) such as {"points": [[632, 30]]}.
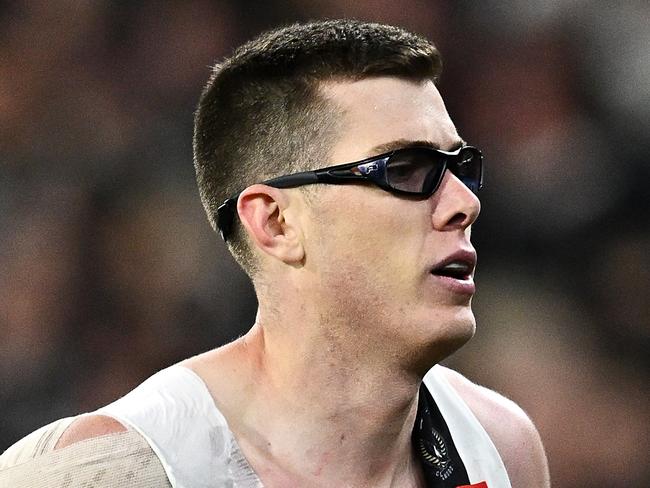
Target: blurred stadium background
{"points": [[109, 270]]}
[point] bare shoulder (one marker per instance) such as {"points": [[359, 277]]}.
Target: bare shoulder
{"points": [[511, 430], [87, 427]]}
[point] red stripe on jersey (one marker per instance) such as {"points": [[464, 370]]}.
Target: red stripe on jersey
{"points": [[482, 484]]}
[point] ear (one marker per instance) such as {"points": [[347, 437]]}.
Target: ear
{"points": [[264, 213]]}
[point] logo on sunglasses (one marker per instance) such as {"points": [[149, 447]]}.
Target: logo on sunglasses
{"points": [[368, 168]]}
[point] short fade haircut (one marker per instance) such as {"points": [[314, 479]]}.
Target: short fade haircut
{"points": [[262, 115]]}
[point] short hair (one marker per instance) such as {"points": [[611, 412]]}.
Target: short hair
{"points": [[261, 114]]}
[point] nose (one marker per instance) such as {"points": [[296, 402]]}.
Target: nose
{"points": [[455, 205]]}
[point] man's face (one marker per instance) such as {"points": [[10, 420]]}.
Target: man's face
{"points": [[373, 252]]}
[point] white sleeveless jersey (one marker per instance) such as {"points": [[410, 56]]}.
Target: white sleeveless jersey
{"points": [[174, 411]]}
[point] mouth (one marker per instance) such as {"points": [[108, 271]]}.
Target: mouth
{"points": [[459, 265], [457, 270]]}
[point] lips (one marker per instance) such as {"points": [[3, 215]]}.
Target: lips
{"points": [[459, 266]]}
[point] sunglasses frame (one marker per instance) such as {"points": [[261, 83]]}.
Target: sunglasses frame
{"points": [[372, 170]]}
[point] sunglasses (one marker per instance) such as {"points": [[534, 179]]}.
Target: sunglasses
{"points": [[413, 172]]}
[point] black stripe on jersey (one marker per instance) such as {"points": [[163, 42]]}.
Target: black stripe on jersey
{"points": [[432, 441]]}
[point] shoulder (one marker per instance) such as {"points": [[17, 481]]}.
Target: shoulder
{"points": [[143, 401], [101, 456], [512, 431], [169, 394], [87, 427], [57, 435]]}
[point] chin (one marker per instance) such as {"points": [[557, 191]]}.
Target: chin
{"points": [[440, 340], [459, 335], [461, 327]]}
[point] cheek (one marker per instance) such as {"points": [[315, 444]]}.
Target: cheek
{"points": [[366, 243]]}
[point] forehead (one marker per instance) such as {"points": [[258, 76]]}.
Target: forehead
{"points": [[378, 111]]}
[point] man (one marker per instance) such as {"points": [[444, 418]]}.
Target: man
{"points": [[326, 159]]}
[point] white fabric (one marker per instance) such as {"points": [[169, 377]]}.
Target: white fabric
{"points": [[480, 457], [174, 411]]}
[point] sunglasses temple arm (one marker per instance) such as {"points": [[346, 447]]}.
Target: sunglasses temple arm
{"points": [[226, 212], [297, 179], [225, 216]]}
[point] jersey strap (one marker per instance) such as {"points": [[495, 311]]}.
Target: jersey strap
{"points": [[455, 449], [441, 463]]}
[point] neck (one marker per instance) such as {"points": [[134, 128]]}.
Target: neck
{"points": [[323, 411]]}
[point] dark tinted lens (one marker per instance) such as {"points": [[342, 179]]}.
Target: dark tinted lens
{"points": [[467, 166], [415, 170]]}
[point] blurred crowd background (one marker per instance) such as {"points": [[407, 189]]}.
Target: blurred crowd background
{"points": [[109, 270]]}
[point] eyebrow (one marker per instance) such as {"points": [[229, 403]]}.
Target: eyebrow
{"points": [[405, 143]]}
